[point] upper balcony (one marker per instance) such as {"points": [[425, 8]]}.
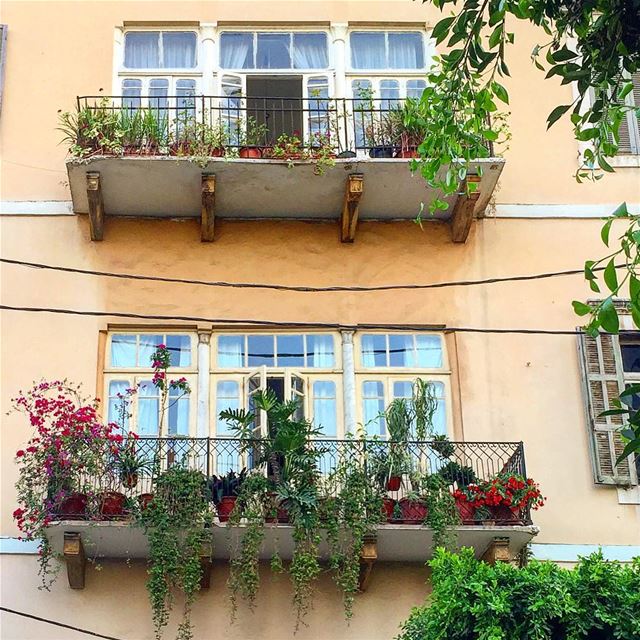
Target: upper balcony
{"points": [[100, 516], [251, 157]]}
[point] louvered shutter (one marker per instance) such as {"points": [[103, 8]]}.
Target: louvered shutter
{"points": [[629, 131], [602, 378]]}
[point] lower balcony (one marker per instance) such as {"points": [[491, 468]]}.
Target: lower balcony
{"points": [[241, 157], [99, 518]]}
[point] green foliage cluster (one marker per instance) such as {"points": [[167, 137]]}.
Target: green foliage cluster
{"points": [[460, 106], [472, 600], [175, 525]]}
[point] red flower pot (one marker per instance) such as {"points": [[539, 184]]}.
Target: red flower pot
{"points": [[407, 153], [505, 514], [387, 508], [413, 512], [225, 507], [217, 153], [467, 511], [250, 152], [393, 483], [74, 505], [144, 500], [112, 504]]}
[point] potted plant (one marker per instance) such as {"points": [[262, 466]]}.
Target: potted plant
{"points": [[111, 504], [224, 492], [414, 509], [323, 152], [411, 128], [129, 466], [289, 148], [251, 137], [443, 446]]}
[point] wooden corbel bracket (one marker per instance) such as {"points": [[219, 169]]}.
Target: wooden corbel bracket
{"points": [[96, 205], [462, 215], [75, 559], [207, 211], [349, 217], [368, 556]]}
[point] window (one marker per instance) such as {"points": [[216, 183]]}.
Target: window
{"points": [[377, 50], [403, 350], [629, 132], [129, 367], [160, 50], [286, 50], [240, 351]]}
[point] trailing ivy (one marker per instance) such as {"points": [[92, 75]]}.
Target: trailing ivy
{"points": [[174, 523], [472, 600]]}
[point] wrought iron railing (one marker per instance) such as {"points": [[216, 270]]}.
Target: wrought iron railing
{"points": [[459, 463], [178, 124]]}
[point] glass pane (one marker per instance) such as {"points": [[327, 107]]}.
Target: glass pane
{"points": [[429, 351], [320, 353], [142, 50], [367, 50], [273, 51], [440, 416], [236, 51], [231, 352], [630, 357], [406, 51], [374, 350], [148, 344], [401, 350], [403, 389], [227, 397], [180, 350], [318, 108], [148, 409], [310, 51], [179, 49], [415, 88], [363, 114], [131, 92], [389, 94], [373, 408], [158, 101], [123, 350], [290, 351], [261, 351], [325, 413], [178, 418], [117, 411]]}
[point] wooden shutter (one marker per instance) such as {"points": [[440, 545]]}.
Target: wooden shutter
{"points": [[629, 132], [603, 381]]}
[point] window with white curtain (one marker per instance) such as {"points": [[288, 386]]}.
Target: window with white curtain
{"points": [[402, 350], [379, 50], [273, 50], [160, 50]]}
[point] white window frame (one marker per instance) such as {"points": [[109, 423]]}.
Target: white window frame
{"points": [[427, 52], [192, 368]]}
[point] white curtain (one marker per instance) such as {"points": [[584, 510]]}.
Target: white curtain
{"points": [[115, 404], [123, 350], [179, 49], [148, 344], [401, 350], [236, 51], [310, 51], [325, 407], [148, 409], [142, 50], [373, 406], [429, 349], [230, 352], [227, 397], [322, 354], [178, 419], [368, 50], [440, 416], [406, 51]]}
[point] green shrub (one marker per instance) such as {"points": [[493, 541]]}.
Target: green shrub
{"points": [[471, 600]]}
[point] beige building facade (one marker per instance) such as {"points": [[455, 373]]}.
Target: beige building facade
{"points": [[345, 353]]}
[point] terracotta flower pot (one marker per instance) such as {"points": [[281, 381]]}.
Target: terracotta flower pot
{"points": [[413, 512], [217, 152], [225, 507], [73, 505], [411, 152], [250, 152], [387, 508], [393, 483], [112, 504], [467, 511], [144, 500]]}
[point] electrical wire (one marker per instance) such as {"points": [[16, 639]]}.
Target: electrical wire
{"points": [[59, 624], [281, 323], [305, 289]]}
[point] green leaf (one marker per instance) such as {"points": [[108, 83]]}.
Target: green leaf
{"points": [[634, 289], [604, 233], [500, 91], [621, 211], [564, 54], [557, 113], [625, 91], [496, 36], [608, 317], [610, 276], [441, 29], [580, 308], [632, 447]]}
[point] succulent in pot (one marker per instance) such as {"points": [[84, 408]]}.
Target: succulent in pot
{"points": [[224, 492], [130, 466]]}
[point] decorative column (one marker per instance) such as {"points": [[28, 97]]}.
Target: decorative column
{"points": [[208, 59], [348, 382], [339, 41], [204, 365]]}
